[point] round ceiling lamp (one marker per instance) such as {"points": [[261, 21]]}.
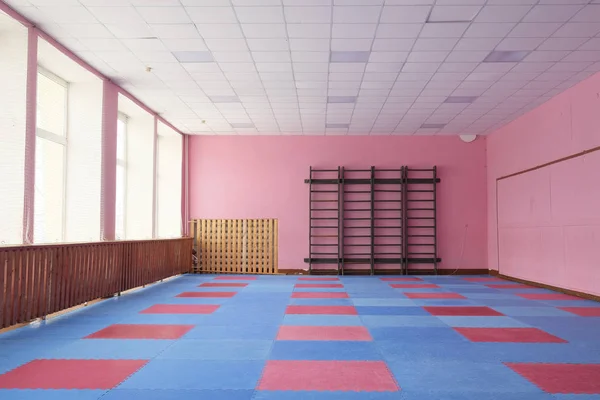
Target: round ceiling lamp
{"points": [[468, 138]]}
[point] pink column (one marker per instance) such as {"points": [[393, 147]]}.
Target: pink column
{"points": [[110, 114], [30, 126]]}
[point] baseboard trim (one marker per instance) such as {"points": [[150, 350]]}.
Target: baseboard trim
{"points": [[576, 293], [386, 272]]}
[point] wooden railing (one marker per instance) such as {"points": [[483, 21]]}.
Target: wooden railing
{"points": [[235, 246], [39, 280]]}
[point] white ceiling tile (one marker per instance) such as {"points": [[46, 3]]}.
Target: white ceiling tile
{"points": [[569, 66], [562, 43], [351, 45], [212, 15], [228, 45], [271, 56], [240, 56], [495, 67], [353, 31], [443, 30], [162, 15], [534, 29], [264, 31], [310, 56], [309, 44], [399, 30], [544, 56], [156, 57], [420, 67], [103, 44], [404, 14], [519, 44], [347, 67], [350, 14], [578, 29], [175, 31], [185, 44], [473, 44], [345, 76], [591, 45], [508, 13], [383, 57], [395, 45], [274, 67], [254, 2], [589, 13], [313, 67], [438, 44], [383, 67], [117, 30], [427, 56], [380, 76], [144, 45], [311, 15], [454, 13], [551, 13], [68, 14], [308, 30], [457, 67], [581, 56], [259, 15], [489, 29], [269, 45], [532, 67], [220, 31]]}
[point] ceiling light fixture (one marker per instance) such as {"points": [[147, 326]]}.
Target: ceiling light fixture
{"points": [[460, 99], [506, 56], [432, 126]]}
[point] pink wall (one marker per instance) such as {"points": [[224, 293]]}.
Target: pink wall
{"points": [[263, 177], [546, 227]]}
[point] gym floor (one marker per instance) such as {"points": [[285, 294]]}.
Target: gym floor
{"points": [[302, 338]]}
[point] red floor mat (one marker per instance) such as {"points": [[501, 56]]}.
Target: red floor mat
{"points": [[356, 376], [331, 310], [561, 378], [511, 286], [583, 311], [508, 335], [70, 374], [414, 286], [141, 331], [474, 311], [218, 284], [350, 333], [401, 279]]}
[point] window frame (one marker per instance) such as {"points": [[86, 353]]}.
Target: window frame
{"points": [[124, 118], [62, 140]]}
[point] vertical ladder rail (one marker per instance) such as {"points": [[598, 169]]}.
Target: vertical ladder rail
{"points": [[435, 253], [403, 229], [372, 220], [310, 191], [341, 221]]}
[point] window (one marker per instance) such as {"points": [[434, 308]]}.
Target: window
{"points": [[50, 158], [121, 200], [168, 191]]}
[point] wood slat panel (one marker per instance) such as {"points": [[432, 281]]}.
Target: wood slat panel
{"points": [[247, 246]]}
